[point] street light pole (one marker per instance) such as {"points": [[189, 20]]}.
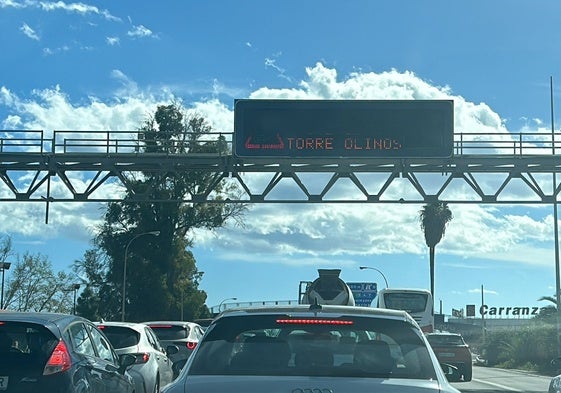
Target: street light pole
{"points": [[75, 288], [220, 304], [154, 233], [4, 266], [379, 271]]}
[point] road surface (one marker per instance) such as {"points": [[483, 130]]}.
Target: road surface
{"points": [[495, 380]]}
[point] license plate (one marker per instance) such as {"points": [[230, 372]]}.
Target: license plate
{"points": [[446, 354], [3, 383]]}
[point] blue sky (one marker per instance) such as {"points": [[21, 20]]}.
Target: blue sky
{"points": [[100, 65]]}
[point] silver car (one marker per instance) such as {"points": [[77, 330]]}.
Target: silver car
{"points": [[313, 348], [185, 335], [153, 367]]}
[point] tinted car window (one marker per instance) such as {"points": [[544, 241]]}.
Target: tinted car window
{"points": [[30, 342], [81, 340], [170, 332], [121, 337], [152, 339], [271, 345], [103, 347], [445, 340]]}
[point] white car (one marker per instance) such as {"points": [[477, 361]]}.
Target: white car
{"points": [[153, 367], [183, 334], [309, 348]]}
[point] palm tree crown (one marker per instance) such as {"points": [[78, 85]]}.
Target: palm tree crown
{"points": [[434, 217]]}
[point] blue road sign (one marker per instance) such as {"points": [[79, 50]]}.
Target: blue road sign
{"points": [[363, 292]]}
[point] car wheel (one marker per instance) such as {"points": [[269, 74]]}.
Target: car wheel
{"points": [[157, 384]]}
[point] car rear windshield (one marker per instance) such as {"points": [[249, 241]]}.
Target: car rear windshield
{"points": [[283, 345], [410, 302], [170, 332], [25, 343], [120, 336], [445, 340]]}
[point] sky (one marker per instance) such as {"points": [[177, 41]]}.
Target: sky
{"points": [[104, 65]]}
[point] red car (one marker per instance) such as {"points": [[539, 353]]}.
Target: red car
{"points": [[450, 348]]}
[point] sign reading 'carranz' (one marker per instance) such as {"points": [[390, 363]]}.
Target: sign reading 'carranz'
{"points": [[343, 128]]}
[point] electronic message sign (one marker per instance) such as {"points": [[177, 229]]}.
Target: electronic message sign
{"points": [[343, 128]]}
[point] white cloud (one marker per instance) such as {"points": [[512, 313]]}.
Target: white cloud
{"points": [[112, 41], [50, 6], [29, 32], [312, 232], [140, 32]]}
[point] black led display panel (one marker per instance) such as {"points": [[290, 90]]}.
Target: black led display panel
{"points": [[343, 128]]}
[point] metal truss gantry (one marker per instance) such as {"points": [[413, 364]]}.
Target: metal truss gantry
{"points": [[484, 169]]}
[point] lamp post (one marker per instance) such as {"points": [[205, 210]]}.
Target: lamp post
{"points": [[220, 304], [4, 266], [373, 268], [75, 288], [154, 233]]}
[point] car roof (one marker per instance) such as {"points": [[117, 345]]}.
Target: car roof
{"points": [[132, 325], [174, 323], [55, 322], [320, 310], [443, 334]]}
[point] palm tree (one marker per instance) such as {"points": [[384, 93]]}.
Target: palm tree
{"points": [[548, 311], [551, 299], [434, 217]]}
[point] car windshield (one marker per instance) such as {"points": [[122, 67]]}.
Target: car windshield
{"points": [[345, 346], [120, 336], [170, 332], [445, 339]]}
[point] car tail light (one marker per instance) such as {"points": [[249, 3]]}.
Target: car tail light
{"points": [[59, 360], [142, 358], [191, 345]]}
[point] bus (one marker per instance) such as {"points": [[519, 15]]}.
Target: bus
{"points": [[417, 302]]}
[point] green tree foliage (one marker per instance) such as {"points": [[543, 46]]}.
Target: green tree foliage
{"points": [[548, 313], [162, 277], [434, 217], [99, 299], [34, 286], [527, 348]]}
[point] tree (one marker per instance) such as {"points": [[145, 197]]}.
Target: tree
{"points": [[34, 286], [99, 300], [434, 217], [548, 313], [162, 277]]}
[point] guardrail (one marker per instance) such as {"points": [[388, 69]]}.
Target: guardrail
{"points": [[217, 309], [104, 142], [134, 142]]}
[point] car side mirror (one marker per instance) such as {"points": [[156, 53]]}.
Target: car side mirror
{"points": [[125, 361], [452, 373]]}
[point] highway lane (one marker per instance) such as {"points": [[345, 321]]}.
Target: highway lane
{"points": [[495, 380]]}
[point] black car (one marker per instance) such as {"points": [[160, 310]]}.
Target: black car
{"points": [[49, 352]]}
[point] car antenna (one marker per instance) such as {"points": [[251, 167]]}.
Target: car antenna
{"points": [[315, 306]]}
